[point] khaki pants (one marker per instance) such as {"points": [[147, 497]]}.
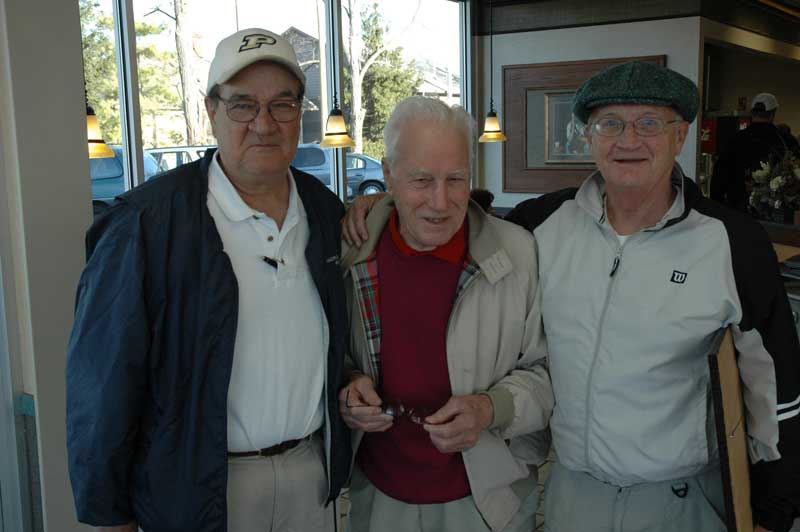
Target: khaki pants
{"points": [[577, 502], [373, 511], [283, 493]]}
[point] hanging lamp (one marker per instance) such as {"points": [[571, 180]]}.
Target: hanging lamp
{"points": [[98, 149], [491, 127], [335, 128]]}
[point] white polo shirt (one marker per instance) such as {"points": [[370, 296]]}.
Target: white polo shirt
{"points": [[280, 354]]}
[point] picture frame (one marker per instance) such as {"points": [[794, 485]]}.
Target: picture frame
{"points": [[565, 142]]}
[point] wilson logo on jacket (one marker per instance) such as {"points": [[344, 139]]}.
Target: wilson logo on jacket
{"points": [[678, 277]]}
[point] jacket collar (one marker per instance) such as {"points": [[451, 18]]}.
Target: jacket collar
{"points": [[483, 242], [591, 197]]}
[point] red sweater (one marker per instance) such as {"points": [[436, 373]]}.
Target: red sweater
{"points": [[416, 297]]}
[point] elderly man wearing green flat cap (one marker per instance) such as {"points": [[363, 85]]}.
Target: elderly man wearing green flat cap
{"points": [[639, 273]]}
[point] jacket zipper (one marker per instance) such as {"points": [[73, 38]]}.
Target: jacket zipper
{"points": [[599, 342]]}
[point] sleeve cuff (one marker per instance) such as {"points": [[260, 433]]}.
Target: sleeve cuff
{"points": [[503, 406]]}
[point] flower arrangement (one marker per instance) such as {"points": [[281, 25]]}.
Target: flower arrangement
{"points": [[776, 188]]}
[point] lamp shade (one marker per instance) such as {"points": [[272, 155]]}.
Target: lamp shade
{"points": [[97, 147], [336, 132], [491, 129]]}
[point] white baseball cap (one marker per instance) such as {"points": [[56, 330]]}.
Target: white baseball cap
{"points": [[767, 100], [246, 47]]}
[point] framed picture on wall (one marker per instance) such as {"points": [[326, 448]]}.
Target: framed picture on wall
{"points": [[545, 150], [565, 142]]}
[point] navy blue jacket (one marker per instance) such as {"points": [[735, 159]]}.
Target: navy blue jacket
{"points": [[151, 352]]}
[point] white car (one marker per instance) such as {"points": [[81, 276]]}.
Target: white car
{"points": [[174, 156]]}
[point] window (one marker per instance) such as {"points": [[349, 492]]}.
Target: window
{"points": [[393, 50], [354, 162], [390, 50], [308, 156], [107, 175], [176, 42]]}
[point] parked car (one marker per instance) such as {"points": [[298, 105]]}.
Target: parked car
{"points": [[174, 156], [108, 174], [364, 174]]}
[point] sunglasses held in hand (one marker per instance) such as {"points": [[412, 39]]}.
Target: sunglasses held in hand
{"points": [[415, 414]]}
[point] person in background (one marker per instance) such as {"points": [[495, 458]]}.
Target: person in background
{"points": [[760, 142], [210, 328], [484, 198], [449, 390]]}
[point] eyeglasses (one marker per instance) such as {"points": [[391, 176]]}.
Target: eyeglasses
{"points": [[246, 110], [644, 127], [397, 410]]}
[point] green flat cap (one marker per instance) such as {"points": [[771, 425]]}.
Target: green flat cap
{"points": [[637, 82]]}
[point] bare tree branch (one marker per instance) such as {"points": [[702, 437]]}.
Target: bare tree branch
{"points": [[159, 10]]}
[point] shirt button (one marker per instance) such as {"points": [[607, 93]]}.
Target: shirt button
{"points": [[270, 238]]}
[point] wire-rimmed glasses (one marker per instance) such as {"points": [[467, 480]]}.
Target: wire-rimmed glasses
{"points": [[247, 109], [645, 127]]}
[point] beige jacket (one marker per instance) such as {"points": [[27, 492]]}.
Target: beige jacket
{"points": [[495, 345]]}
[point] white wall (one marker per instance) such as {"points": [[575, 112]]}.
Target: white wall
{"points": [[678, 39], [45, 208]]}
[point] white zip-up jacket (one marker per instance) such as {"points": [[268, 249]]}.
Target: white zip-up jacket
{"points": [[630, 328]]}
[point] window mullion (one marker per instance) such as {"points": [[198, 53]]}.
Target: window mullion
{"points": [[127, 70], [334, 23]]}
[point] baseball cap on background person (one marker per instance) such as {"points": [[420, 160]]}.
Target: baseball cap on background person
{"points": [[764, 102], [249, 46]]}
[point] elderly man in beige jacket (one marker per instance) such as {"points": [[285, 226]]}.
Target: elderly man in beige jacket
{"points": [[449, 393]]}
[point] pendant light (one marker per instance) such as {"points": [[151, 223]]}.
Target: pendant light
{"points": [[98, 149], [335, 128], [491, 127]]}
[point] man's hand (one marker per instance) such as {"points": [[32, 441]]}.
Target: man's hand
{"points": [[760, 529], [458, 424], [360, 406], [354, 223], [130, 527]]}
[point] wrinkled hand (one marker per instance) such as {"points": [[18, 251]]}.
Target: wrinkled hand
{"points": [[360, 406], [458, 424], [354, 223], [130, 527]]}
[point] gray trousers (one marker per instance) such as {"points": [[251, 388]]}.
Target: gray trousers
{"points": [[283, 493], [577, 502], [374, 511]]}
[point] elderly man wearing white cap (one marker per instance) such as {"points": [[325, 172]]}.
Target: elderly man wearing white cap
{"points": [[210, 328], [759, 142]]}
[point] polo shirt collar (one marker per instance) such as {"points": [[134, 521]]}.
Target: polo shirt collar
{"points": [[232, 204]]}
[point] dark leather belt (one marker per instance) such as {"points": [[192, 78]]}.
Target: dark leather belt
{"points": [[269, 451]]}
